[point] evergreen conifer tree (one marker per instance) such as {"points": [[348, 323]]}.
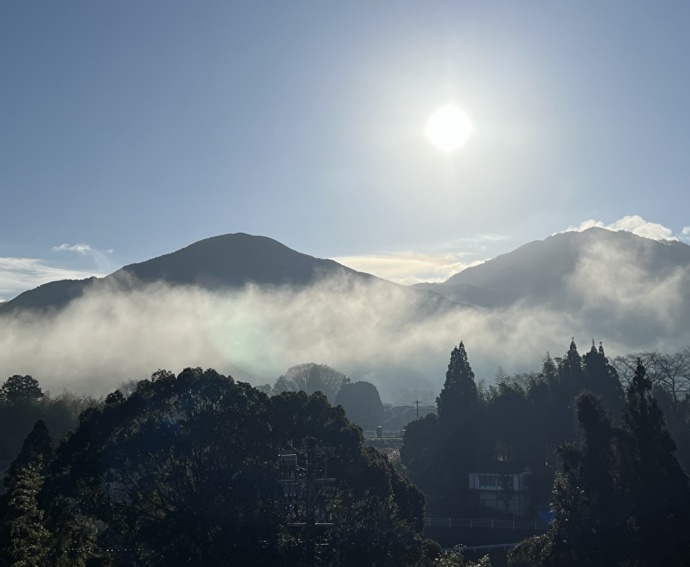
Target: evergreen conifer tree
{"points": [[570, 369], [22, 491], [37, 447], [602, 379], [29, 542], [621, 498], [458, 400], [657, 486]]}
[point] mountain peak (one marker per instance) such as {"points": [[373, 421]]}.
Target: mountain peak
{"points": [[224, 261], [538, 271]]}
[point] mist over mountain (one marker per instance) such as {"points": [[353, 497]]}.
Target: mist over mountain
{"points": [[552, 272], [251, 307], [226, 261]]}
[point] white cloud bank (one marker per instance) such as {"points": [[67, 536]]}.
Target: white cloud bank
{"points": [[632, 223], [20, 274], [371, 331], [409, 268]]}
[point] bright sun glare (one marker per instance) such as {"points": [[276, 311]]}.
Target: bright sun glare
{"points": [[449, 128]]}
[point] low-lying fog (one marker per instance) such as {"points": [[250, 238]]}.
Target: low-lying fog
{"points": [[369, 331]]}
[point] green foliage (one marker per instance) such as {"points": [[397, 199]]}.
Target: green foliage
{"points": [[601, 378], [184, 472], [181, 470], [18, 414], [458, 402], [455, 559], [37, 448], [419, 454], [20, 390], [29, 541], [439, 451], [76, 536], [311, 378], [362, 403], [621, 497]]}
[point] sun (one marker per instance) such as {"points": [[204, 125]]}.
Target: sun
{"points": [[449, 128]]}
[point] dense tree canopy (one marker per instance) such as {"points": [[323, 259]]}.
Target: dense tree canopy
{"points": [[20, 389], [184, 471], [621, 498], [22, 403], [362, 403], [311, 378]]}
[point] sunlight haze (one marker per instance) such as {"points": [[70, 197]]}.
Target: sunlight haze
{"points": [[138, 128]]}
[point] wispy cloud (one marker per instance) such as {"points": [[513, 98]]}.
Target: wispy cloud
{"points": [[19, 274], [434, 265], [102, 258], [409, 267], [631, 223]]}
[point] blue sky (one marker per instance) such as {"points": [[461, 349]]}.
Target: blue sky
{"points": [[130, 129]]}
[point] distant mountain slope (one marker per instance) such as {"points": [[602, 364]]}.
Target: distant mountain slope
{"points": [[230, 260], [233, 260], [52, 295], [539, 273]]}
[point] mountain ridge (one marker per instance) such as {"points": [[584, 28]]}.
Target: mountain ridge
{"points": [[537, 272], [223, 261]]}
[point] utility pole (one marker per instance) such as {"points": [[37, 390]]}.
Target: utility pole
{"points": [[417, 402], [296, 478], [310, 527]]}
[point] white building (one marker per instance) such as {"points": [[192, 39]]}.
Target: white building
{"points": [[504, 492]]}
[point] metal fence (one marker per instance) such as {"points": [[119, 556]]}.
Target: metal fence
{"points": [[486, 523]]}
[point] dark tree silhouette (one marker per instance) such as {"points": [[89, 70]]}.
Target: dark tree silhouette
{"points": [[27, 541], [310, 378], [362, 403], [439, 451], [621, 497], [184, 471], [602, 379], [19, 390], [458, 401]]}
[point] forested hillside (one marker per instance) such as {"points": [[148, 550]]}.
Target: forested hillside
{"points": [[185, 469]]}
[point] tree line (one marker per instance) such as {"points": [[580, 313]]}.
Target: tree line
{"points": [[598, 451], [183, 469]]}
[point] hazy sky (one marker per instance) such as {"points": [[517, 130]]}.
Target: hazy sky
{"points": [[130, 129]]}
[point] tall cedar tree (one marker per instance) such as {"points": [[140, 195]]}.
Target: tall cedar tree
{"points": [[458, 401], [29, 541], [440, 450], [602, 379], [622, 498], [656, 483], [21, 513]]}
